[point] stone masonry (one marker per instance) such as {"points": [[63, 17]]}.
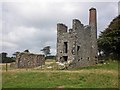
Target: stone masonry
{"points": [[29, 60], [79, 44]]}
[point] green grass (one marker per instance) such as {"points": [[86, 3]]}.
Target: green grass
{"points": [[107, 66], [53, 80], [100, 76]]}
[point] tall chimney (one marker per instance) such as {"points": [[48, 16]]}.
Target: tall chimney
{"points": [[93, 24]]}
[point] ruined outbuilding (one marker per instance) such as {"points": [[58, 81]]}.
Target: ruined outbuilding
{"points": [[79, 44], [29, 60]]}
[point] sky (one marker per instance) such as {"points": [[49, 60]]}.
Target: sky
{"points": [[32, 25]]}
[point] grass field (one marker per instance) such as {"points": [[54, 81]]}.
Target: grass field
{"points": [[99, 76]]}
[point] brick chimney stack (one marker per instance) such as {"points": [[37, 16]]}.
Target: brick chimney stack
{"points": [[92, 17]]}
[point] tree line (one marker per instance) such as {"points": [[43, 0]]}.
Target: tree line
{"points": [[5, 59]]}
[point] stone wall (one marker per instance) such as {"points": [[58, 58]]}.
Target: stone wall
{"points": [[29, 60]]}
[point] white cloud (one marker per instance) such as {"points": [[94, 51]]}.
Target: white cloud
{"points": [[8, 44], [21, 33]]}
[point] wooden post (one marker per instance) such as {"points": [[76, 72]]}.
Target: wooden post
{"points": [[6, 67]]}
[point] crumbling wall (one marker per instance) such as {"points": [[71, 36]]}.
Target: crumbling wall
{"points": [[80, 41], [29, 60]]}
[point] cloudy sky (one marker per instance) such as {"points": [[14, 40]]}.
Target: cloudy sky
{"points": [[32, 25]]}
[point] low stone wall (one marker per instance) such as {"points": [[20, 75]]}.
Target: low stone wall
{"points": [[29, 60]]}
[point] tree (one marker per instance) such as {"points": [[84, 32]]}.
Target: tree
{"points": [[109, 40], [46, 50]]}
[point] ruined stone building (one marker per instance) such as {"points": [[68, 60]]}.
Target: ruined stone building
{"points": [[29, 60], [79, 44]]}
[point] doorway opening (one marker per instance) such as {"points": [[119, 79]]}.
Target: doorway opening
{"points": [[65, 58]]}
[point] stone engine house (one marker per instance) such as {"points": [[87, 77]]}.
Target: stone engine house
{"points": [[79, 44], [29, 60]]}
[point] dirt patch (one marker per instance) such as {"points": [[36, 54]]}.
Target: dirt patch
{"points": [[60, 87]]}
